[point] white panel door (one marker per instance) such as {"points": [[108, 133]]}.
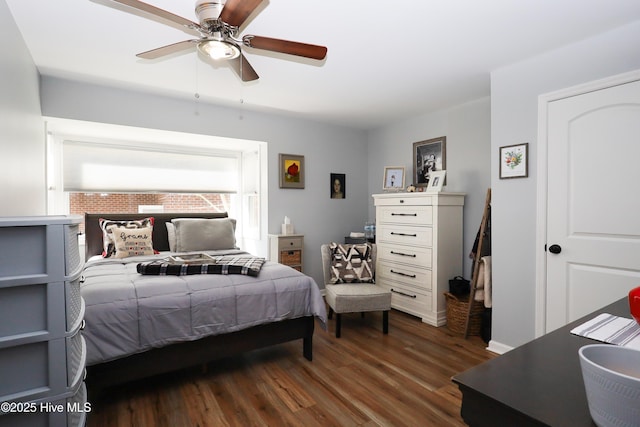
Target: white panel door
{"points": [[593, 201]]}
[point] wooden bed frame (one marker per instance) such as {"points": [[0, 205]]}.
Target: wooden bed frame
{"points": [[192, 353]]}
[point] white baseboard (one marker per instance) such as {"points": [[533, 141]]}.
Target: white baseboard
{"points": [[498, 348]]}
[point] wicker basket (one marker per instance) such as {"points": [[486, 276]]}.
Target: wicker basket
{"points": [[457, 310]]}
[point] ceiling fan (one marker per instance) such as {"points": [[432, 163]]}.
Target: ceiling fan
{"points": [[219, 25]]}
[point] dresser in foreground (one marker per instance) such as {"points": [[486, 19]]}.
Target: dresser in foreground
{"points": [[42, 351]]}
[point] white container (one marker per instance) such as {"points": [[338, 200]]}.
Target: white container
{"points": [[287, 229], [612, 381]]}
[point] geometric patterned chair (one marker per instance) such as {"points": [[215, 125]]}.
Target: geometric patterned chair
{"points": [[345, 268]]}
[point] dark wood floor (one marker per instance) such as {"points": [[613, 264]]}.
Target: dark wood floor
{"points": [[364, 378]]}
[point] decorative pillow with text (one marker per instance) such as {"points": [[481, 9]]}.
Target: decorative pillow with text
{"points": [[132, 241]]}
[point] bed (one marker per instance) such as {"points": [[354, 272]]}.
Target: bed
{"points": [[143, 317]]}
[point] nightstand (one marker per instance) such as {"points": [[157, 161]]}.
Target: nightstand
{"points": [[287, 249]]}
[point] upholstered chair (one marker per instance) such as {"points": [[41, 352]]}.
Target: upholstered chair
{"points": [[349, 297]]}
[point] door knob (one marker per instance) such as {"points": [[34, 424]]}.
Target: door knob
{"points": [[555, 249]]}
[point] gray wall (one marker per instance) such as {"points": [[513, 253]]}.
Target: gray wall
{"points": [[22, 190], [468, 162], [326, 149], [514, 102], [471, 148]]}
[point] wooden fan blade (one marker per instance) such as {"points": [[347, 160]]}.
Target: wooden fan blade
{"points": [[144, 7], [168, 50], [235, 12], [285, 46], [243, 69]]}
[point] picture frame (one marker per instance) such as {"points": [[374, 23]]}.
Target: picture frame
{"points": [[428, 156], [337, 186], [291, 171], [514, 161], [436, 181], [393, 178]]}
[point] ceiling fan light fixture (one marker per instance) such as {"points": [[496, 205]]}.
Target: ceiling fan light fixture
{"points": [[218, 49]]}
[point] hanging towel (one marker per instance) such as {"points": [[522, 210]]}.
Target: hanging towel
{"points": [[483, 287]]}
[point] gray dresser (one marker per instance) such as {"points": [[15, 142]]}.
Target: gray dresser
{"points": [[419, 239], [42, 351]]}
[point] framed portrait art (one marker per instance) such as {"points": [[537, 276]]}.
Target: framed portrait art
{"points": [[514, 161], [428, 156], [338, 188], [291, 171], [393, 178]]}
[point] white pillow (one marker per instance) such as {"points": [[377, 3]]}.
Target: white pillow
{"points": [[195, 234], [132, 241]]}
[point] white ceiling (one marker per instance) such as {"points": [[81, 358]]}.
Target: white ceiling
{"points": [[386, 59]]}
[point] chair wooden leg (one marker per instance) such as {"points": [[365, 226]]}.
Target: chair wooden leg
{"points": [[338, 324], [362, 314], [385, 322], [330, 315]]}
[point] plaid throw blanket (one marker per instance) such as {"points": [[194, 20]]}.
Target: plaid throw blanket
{"points": [[249, 266]]}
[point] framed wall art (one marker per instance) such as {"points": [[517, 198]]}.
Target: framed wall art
{"points": [[436, 181], [291, 171], [514, 161], [393, 178], [428, 156], [338, 188]]}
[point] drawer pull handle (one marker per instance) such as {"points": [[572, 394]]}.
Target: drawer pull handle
{"points": [[403, 294], [83, 324], [403, 254], [413, 276], [403, 214], [393, 233]]}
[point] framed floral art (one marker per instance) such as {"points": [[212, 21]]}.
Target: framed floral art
{"points": [[514, 161], [291, 171]]}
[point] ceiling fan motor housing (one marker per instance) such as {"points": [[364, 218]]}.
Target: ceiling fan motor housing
{"points": [[209, 11]]}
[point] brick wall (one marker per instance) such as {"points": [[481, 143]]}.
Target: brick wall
{"points": [[81, 203]]}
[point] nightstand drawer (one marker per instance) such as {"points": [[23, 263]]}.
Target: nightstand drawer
{"points": [[290, 243], [413, 215], [291, 257]]}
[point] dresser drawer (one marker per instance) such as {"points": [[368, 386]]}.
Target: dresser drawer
{"points": [[75, 304], [419, 278], [76, 359], [405, 235], [73, 260], [408, 299], [412, 199], [413, 215], [414, 255]]}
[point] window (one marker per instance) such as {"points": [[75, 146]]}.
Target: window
{"points": [[119, 176]]}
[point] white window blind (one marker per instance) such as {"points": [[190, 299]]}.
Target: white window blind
{"points": [[93, 167]]}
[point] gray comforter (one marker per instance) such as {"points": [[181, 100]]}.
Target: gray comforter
{"points": [[128, 313]]}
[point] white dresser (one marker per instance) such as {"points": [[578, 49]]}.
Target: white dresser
{"points": [[419, 240], [42, 351]]}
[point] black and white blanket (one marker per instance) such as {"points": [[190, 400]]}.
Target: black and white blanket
{"points": [[249, 266]]}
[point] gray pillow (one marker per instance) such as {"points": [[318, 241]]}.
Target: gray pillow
{"points": [[171, 235], [195, 234]]}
